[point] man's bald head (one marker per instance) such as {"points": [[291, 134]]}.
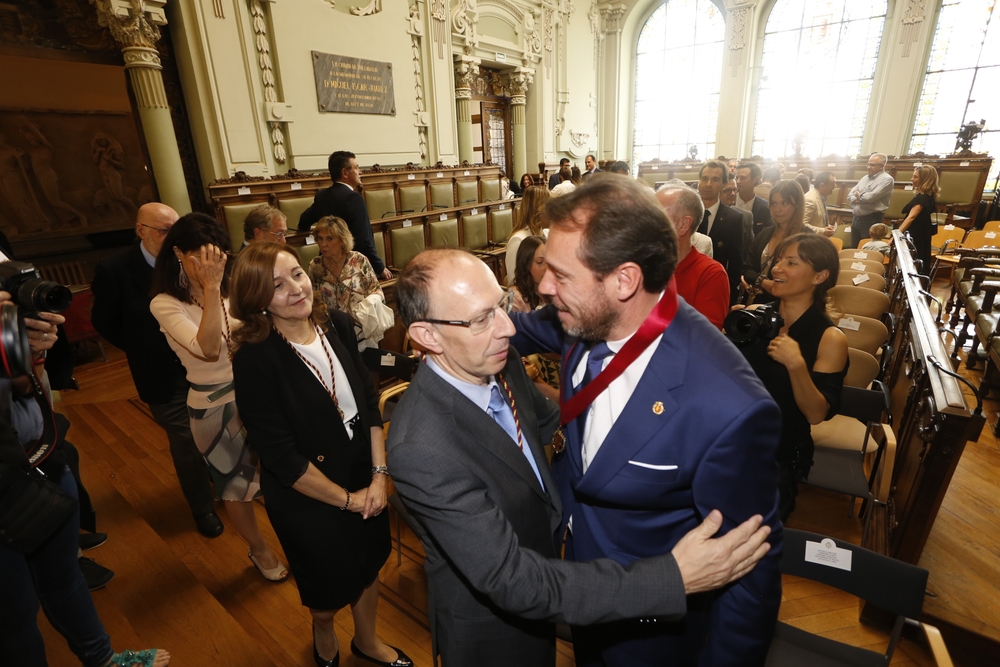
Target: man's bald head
{"points": [[417, 286], [683, 207], [152, 223]]}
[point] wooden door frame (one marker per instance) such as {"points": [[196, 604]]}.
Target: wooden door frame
{"points": [[496, 103]]}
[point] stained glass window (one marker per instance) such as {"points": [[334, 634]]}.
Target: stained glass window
{"points": [[677, 76], [817, 69], [962, 83]]}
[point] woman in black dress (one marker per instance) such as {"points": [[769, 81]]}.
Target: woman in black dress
{"points": [[311, 413], [803, 367], [918, 212]]}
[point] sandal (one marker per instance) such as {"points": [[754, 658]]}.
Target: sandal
{"points": [[275, 575], [145, 658]]}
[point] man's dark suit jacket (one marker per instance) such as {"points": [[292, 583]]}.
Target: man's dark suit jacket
{"points": [[699, 432], [727, 245], [490, 531], [121, 314], [554, 180], [591, 173], [761, 214], [342, 201]]}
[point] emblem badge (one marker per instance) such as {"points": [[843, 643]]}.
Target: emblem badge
{"points": [[558, 441], [658, 408]]}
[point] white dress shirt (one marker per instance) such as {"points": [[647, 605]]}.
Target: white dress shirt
{"points": [[712, 211], [609, 404]]}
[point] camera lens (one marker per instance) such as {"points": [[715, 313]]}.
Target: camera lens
{"points": [[15, 356], [44, 296]]}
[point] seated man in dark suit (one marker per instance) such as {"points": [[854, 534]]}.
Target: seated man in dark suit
{"points": [[342, 200], [722, 223], [748, 177], [466, 455], [121, 314]]}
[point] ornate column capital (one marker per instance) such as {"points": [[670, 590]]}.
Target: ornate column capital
{"points": [[135, 25], [613, 14], [518, 82], [465, 71]]}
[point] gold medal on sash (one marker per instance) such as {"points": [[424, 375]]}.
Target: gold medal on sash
{"points": [[558, 441]]}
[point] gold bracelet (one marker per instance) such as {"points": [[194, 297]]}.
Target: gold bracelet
{"points": [[348, 501]]}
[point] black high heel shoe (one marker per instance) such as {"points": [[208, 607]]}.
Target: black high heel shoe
{"points": [[402, 660], [320, 662]]}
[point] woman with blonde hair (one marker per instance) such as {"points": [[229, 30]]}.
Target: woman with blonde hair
{"points": [[787, 205], [529, 223], [311, 414], [919, 222]]}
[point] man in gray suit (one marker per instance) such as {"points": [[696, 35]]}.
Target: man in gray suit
{"points": [[466, 454]]}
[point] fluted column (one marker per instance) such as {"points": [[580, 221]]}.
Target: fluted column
{"points": [[135, 26], [519, 82], [465, 71]]}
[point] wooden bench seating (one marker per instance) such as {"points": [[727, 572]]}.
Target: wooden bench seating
{"points": [[387, 193]]}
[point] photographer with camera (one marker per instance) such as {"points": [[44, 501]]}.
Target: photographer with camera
{"points": [[39, 513], [796, 351]]}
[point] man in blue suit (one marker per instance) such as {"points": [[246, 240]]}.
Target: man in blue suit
{"points": [[676, 424]]}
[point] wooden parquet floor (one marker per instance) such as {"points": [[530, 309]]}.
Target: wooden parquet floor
{"points": [[203, 601]]}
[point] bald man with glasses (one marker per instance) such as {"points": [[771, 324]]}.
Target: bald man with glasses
{"points": [[870, 198], [121, 314]]}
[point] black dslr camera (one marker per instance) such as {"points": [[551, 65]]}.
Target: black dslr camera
{"points": [[747, 326], [31, 294]]}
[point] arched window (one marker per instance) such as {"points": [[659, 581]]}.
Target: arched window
{"points": [[678, 70], [816, 76], [962, 83]]}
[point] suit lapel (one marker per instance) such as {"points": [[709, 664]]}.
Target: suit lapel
{"points": [[574, 435], [480, 430], [638, 424], [530, 434]]}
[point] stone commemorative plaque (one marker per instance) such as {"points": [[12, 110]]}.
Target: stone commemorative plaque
{"points": [[353, 85]]}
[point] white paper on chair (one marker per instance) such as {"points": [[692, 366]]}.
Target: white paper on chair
{"points": [[849, 323], [858, 266], [388, 360], [990, 235], [310, 240], [847, 228], [861, 254], [860, 278], [243, 191], [949, 227], [828, 553], [296, 186]]}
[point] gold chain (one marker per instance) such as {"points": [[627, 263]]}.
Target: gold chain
{"points": [[513, 408]]}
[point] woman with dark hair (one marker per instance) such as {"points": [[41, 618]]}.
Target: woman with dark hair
{"points": [[918, 212], [527, 180], [190, 301], [528, 222], [804, 366], [312, 415], [529, 271], [787, 204]]}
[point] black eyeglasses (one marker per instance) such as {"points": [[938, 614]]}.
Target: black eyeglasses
{"points": [[484, 321], [159, 230]]}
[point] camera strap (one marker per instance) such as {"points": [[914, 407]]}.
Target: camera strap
{"points": [[653, 326], [45, 445]]}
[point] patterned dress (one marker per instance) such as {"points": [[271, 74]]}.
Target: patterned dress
{"points": [[357, 280]]}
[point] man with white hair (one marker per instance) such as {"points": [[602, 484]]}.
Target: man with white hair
{"points": [[870, 198], [701, 282]]}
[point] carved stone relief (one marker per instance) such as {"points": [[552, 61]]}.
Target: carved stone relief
{"points": [[373, 7], [439, 14], [612, 18], [912, 18], [518, 83], [549, 32], [276, 109], [464, 23], [422, 118], [738, 20]]}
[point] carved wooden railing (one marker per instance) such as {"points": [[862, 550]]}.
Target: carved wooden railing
{"points": [[930, 414]]}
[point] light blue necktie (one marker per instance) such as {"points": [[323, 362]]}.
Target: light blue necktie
{"points": [[502, 413]]}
